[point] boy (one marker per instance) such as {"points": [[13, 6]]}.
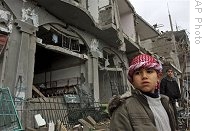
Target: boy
{"points": [[145, 109], [170, 88]]}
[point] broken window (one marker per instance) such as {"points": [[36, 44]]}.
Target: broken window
{"points": [[56, 38], [70, 43], [107, 60]]}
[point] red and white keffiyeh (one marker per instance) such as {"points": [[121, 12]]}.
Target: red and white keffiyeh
{"points": [[143, 61]]}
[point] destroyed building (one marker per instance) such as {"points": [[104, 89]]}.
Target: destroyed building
{"points": [[54, 44], [53, 48]]}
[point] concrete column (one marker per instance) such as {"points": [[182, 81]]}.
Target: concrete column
{"points": [[25, 65], [95, 75], [26, 60]]}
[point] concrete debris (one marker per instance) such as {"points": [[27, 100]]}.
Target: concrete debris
{"points": [[39, 121]]}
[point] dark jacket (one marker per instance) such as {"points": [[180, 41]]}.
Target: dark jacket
{"points": [[170, 88], [134, 114]]}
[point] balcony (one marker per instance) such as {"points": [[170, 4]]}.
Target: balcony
{"points": [[69, 12], [79, 17]]}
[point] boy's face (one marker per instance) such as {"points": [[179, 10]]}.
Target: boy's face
{"points": [[146, 79], [170, 73]]}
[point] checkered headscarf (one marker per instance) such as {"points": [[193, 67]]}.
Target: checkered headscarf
{"points": [[143, 61]]}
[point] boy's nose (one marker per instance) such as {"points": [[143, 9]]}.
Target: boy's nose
{"points": [[144, 74]]}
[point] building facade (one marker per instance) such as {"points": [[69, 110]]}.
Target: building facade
{"points": [[51, 48]]}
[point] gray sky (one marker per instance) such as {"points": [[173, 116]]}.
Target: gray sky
{"points": [[156, 11]]}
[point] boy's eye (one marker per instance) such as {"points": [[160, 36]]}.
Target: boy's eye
{"points": [[137, 72], [150, 71]]}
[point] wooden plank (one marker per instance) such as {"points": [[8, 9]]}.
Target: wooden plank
{"points": [[91, 120], [37, 91], [85, 123]]}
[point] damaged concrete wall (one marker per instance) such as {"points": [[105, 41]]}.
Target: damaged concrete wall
{"points": [[147, 44], [165, 46], [127, 23], [105, 16], [93, 9], [19, 60]]}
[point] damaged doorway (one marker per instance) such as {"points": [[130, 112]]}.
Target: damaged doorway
{"points": [[59, 62], [111, 76]]}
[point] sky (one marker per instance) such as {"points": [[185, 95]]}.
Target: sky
{"points": [[156, 12]]}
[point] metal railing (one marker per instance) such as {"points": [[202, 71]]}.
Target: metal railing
{"points": [[55, 109], [9, 119]]}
